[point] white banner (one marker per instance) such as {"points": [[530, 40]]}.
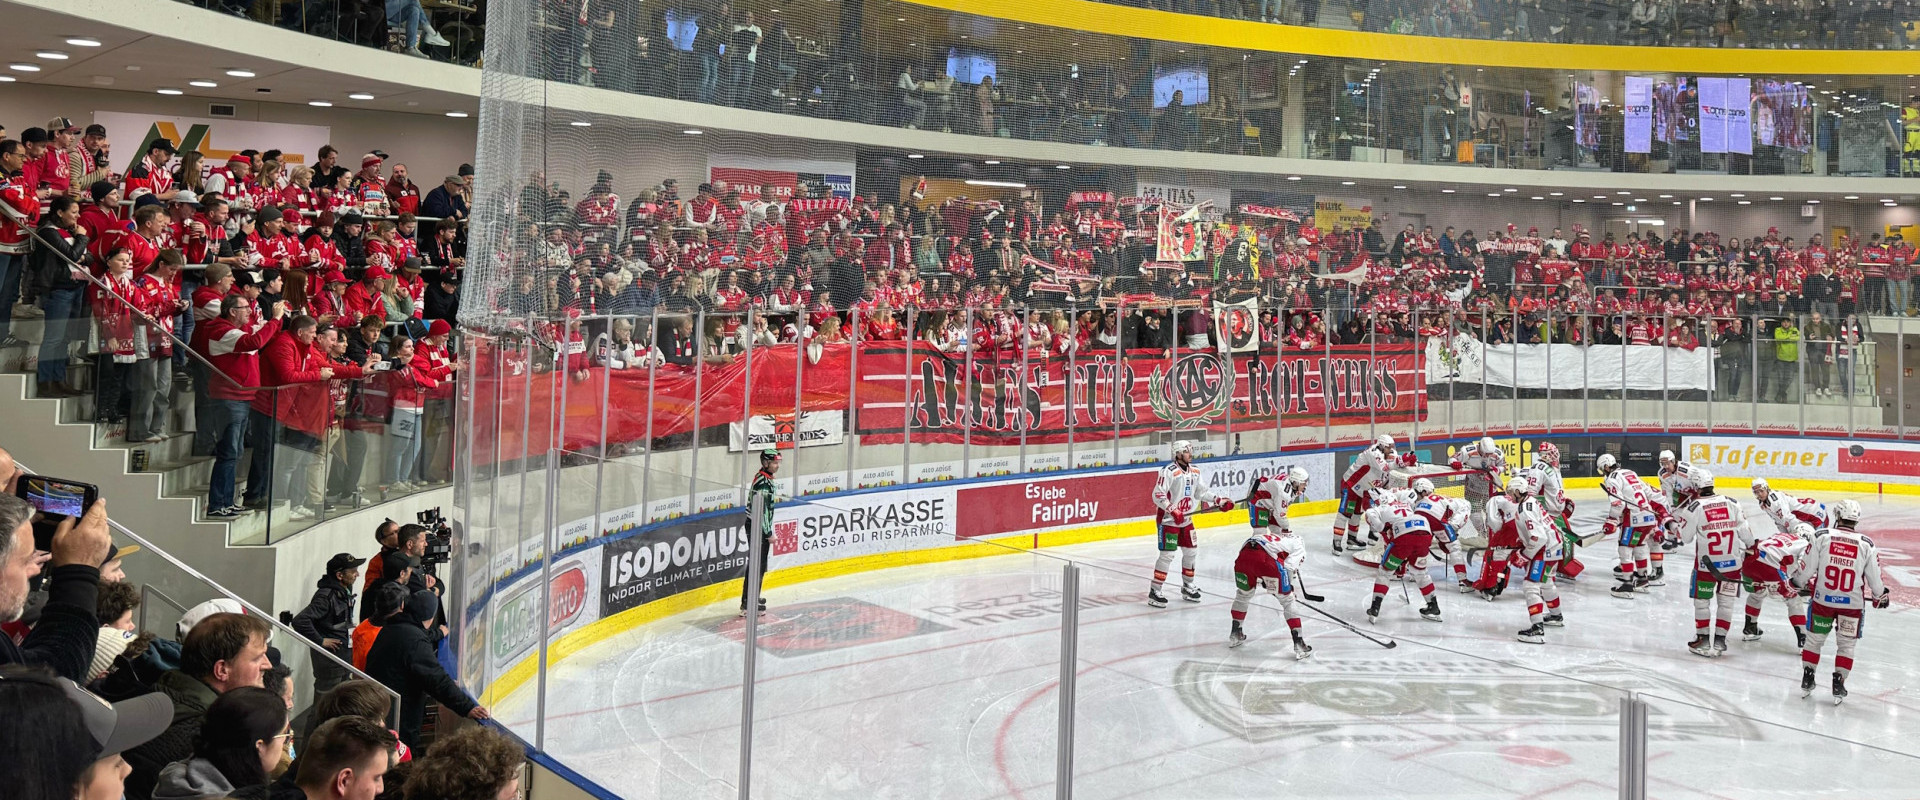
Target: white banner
{"points": [[815, 428], [1737, 93], [881, 522], [1232, 479], [573, 602], [1713, 115], [1237, 325], [1566, 367], [1639, 115], [217, 139], [1814, 459]]}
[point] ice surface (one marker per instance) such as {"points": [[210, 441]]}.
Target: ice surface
{"points": [[940, 681]]}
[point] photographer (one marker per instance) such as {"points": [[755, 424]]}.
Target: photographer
{"points": [[67, 632], [328, 618], [413, 542]]}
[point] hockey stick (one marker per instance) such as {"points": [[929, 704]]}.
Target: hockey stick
{"points": [[1387, 643]]}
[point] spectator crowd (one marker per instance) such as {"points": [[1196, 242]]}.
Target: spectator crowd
{"points": [[308, 306], [99, 708]]}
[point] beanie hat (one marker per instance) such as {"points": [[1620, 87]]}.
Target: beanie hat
{"points": [[423, 605], [108, 645], [100, 190], [193, 616]]}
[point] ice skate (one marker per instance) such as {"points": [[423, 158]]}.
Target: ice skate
{"points": [[1236, 638], [1554, 620], [1373, 610], [1190, 594], [1156, 599], [1839, 688], [1432, 610], [1719, 643], [1641, 582], [1533, 635], [1301, 650], [1702, 646], [1806, 681], [1336, 545], [1354, 542], [1624, 591], [1466, 586], [1751, 631], [1658, 578]]}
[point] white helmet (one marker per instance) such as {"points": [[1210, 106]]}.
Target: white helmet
{"points": [[1183, 446], [1297, 476], [1519, 486], [1702, 478], [1760, 488], [1802, 531], [1421, 487], [1605, 463], [1458, 510], [1666, 457], [1487, 445], [1383, 440], [1847, 510], [1548, 453]]}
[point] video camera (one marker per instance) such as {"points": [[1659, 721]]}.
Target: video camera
{"points": [[439, 539]]}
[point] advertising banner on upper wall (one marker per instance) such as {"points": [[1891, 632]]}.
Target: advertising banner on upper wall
{"points": [[1331, 211], [1806, 458], [217, 139], [1713, 115], [1175, 190], [787, 176]]}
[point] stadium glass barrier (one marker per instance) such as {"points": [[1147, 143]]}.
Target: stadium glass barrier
{"points": [[1687, 738], [638, 473]]}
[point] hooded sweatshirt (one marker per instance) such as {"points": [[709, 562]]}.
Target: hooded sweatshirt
{"points": [[192, 779]]}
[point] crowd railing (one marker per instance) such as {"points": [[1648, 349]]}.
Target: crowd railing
{"points": [[318, 449]]}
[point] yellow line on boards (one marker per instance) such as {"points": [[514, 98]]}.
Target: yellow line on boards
{"points": [[1240, 35]]}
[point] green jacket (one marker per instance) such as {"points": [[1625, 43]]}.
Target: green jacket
{"points": [[764, 488], [1786, 343]]}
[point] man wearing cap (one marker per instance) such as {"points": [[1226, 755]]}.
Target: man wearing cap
{"points": [[364, 299], [368, 188], [151, 174], [64, 163], [37, 143], [328, 619], [403, 659], [272, 247], [443, 296], [232, 179], [84, 729], [96, 148], [349, 238], [446, 201]]}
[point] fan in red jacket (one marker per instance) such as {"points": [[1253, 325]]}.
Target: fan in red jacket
{"points": [[363, 299], [291, 360], [233, 341], [432, 360]]}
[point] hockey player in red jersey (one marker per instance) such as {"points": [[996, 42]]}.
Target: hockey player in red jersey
{"points": [[1179, 493], [1370, 469], [1769, 569], [1541, 549], [1634, 518], [1409, 531], [1843, 576], [1721, 537]]}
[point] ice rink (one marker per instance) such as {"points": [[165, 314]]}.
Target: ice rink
{"points": [[939, 682]]}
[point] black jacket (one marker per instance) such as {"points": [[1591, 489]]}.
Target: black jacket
{"points": [[67, 633], [442, 304], [353, 249], [49, 269], [191, 697], [402, 659], [329, 615]]}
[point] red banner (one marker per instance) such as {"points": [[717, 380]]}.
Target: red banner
{"points": [[1091, 396]]}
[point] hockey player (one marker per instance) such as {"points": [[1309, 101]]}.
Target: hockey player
{"points": [[1370, 469], [1842, 575], [1542, 547], [1410, 531], [1769, 569], [1270, 496], [1634, 515], [1785, 509], [1179, 493], [1487, 463], [1720, 536], [1677, 481], [1545, 486], [1269, 561]]}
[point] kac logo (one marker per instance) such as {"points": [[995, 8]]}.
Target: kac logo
{"points": [[1192, 392]]}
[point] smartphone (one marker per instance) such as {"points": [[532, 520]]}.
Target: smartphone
{"points": [[57, 496]]}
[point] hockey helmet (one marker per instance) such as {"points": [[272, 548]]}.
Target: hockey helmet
{"points": [[1421, 487], [1666, 458], [1183, 446], [1605, 463], [1383, 440], [1702, 478], [1548, 453], [1801, 530], [1458, 510], [1760, 488], [1297, 476], [1487, 445], [1847, 510]]}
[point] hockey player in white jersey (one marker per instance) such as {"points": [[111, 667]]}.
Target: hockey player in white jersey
{"points": [[1269, 561], [1370, 469], [1179, 493], [1771, 569], [1677, 480], [1487, 463], [1269, 497], [1785, 509], [1721, 538], [1410, 532], [1635, 516], [1542, 547], [1545, 486], [1843, 576]]}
